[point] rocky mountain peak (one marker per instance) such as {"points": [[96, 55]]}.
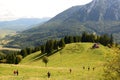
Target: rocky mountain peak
{"points": [[100, 10]]}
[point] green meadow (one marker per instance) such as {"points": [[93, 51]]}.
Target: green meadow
{"points": [[74, 56]]}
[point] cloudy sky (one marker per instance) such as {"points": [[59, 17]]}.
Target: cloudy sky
{"points": [[13, 9]]}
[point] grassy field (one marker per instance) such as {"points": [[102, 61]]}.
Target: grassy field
{"points": [[74, 56]]}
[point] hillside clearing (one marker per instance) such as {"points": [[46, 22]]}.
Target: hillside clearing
{"points": [[74, 56]]}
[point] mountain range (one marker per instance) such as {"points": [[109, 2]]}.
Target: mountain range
{"points": [[21, 24], [98, 16]]}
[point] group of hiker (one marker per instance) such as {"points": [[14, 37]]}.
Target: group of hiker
{"points": [[70, 70], [88, 68], [15, 72]]}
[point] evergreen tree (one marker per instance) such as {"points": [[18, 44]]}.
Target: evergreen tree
{"points": [[49, 46], [2, 56], [71, 40], [87, 38], [84, 37], [104, 39], [61, 43], [76, 39], [97, 38], [43, 49], [79, 38], [29, 50], [91, 38], [111, 40], [11, 58], [66, 39], [38, 48], [23, 52], [55, 47]]}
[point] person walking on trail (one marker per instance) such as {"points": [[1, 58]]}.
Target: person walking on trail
{"points": [[88, 68], [48, 74], [17, 72], [83, 67], [93, 68], [14, 72], [70, 70]]}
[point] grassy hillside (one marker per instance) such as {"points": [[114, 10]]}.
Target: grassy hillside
{"points": [[74, 56]]}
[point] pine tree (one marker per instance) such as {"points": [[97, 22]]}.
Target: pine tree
{"points": [[66, 39], [61, 43], [43, 49], [23, 52], [55, 46], [75, 38], [84, 37], [11, 58], [71, 40], [29, 50], [37, 48], [104, 39], [111, 40], [49, 46]]}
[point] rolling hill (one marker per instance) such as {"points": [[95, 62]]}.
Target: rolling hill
{"points": [[98, 16], [74, 56], [75, 53]]}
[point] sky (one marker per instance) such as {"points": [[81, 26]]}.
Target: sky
{"points": [[14, 9]]}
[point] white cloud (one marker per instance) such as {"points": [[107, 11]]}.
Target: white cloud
{"points": [[12, 9]]}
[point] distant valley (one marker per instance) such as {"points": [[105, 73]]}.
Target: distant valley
{"points": [[14, 26], [22, 23]]}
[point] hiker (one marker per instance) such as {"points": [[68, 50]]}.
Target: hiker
{"points": [[83, 67], [93, 68], [70, 70], [88, 68], [14, 72], [48, 74], [17, 72]]}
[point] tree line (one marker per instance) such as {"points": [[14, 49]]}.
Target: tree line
{"points": [[54, 45], [11, 57], [51, 46]]}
